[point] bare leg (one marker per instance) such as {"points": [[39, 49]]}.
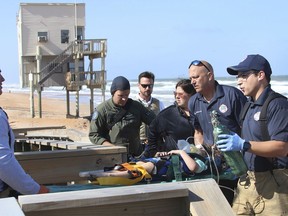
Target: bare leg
{"points": [[117, 173], [148, 166], [101, 173]]}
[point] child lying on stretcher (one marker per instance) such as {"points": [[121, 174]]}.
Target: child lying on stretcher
{"points": [[150, 168]]}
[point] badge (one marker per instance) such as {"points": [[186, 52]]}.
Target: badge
{"points": [[223, 108], [257, 116]]}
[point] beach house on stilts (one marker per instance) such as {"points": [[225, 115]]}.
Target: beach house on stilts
{"points": [[53, 51]]}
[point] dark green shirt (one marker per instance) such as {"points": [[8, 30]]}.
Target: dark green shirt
{"points": [[125, 131]]}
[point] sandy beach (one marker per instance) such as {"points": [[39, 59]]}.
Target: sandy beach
{"points": [[17, 106]]}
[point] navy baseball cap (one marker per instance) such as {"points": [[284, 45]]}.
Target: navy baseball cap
{"points": [[251, 62]]}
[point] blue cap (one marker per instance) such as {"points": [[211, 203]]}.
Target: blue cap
{"points": [[251, 62], [119, 83]]}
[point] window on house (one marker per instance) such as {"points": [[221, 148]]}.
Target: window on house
{"points": [[79, 32], [42, 37], [64, 36]]}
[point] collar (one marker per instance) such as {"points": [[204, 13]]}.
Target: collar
{"points": [[181, 111], [219, 92], [143, 101]]}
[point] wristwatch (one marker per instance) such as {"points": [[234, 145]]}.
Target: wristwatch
{"points": [[246, 146]]}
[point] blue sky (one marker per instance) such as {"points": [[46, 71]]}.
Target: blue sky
{"points": [[164, 36]]}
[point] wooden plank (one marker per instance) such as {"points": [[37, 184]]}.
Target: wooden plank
{"points": [[38, 128], [20, 140], [65, 145], [72, 145], [10, 207], [48, 136], [46, 142], [81, 145], [60, 166], [58, 143], [21, 132], [97, 146], [92, 146], [204, 196], [207, 199], [86, 146], [151, 199]]}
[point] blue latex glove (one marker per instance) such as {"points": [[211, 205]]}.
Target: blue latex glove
{"points": [[230, 142]]}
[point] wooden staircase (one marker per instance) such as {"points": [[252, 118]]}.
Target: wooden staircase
{"points": [[59, 61], [93, 48]]}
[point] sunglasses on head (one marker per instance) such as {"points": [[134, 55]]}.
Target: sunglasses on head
{"points": [[146, 85], [197, 63]]}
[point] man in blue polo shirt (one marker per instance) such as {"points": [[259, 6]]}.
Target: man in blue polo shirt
{"points": [[264, 190], [12, 176], [227, 101]]}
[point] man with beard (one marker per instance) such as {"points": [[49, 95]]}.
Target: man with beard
{"points": [[146, 84], [117, 120]]}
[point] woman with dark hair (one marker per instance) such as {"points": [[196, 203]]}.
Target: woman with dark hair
{"points": [[173, 123]]}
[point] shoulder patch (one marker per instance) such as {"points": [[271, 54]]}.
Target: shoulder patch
{"points": [[95, 115]]}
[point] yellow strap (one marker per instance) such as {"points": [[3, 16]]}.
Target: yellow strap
{"points": [[111, 180], [128, 166]]}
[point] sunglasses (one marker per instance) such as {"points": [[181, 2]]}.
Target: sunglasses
{"points": [[181, 94], [146, 85], [197, 63]]}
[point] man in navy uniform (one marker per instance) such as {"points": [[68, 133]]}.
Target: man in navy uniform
{"points": [[264, 190], [227, 101]]}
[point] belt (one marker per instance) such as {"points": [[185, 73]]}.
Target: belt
{"points": [[281, 166], [270, 168]]}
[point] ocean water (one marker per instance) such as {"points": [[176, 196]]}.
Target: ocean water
{"points": [[163, 89]]}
